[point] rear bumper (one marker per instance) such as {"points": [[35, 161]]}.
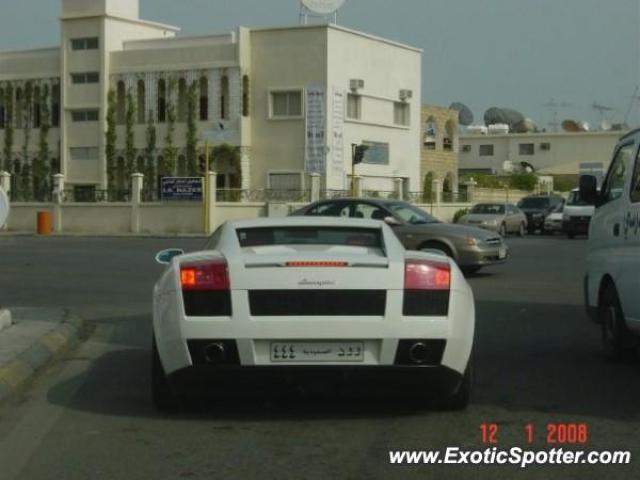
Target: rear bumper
{"points": [[436, 380], [553, 226], [535, 222]]}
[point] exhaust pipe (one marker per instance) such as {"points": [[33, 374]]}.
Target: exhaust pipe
{"points": [[214, 353], [419, 353]]}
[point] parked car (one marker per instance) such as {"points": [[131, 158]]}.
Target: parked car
{"points": [[278, 298], [577, 215], [536, 208], [471, 247], [612, 282], [502, 218], [553, 221]]}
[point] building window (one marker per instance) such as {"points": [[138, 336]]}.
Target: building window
{"points": [[430, 132], [245, 96], [377, 153], [162, 101], [84, 116], [90, 43], [141, 106], [121, 98], [286, 104], [401, 114], [37, 112], [466, 148], [354, 106], [55, 106], [486, 150], [204, 99], [526, 149], [449, 136], [83, 153], [545, 146], [224, 98], [85, 77], [182, 100]]}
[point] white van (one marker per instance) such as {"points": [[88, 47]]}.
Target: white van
{"points": [[576, 215], [612, 283]]}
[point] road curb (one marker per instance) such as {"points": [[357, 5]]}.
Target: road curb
{"points": [[49, 347]]}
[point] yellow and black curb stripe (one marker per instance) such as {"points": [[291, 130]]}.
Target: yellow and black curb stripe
{"points": [[21, 370]]}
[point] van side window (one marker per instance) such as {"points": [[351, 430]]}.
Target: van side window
{"points": [[614, 184], [635, 182]]}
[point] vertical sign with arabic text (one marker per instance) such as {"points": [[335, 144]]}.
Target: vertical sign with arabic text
{"points": [[314, 161]]}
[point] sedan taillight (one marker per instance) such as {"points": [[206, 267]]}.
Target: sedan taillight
{"points": [[205, 276], [426, 275]]}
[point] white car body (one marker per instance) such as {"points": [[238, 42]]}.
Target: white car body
{"points": [[612, 282], [576, 216], [553, 222], [264, 269]]}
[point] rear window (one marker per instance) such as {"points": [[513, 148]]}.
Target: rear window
{"points": [[535, 202], [268, 236], [488, 209]]}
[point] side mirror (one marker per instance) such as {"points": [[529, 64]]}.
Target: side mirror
{"points": [[589, 189], [391, 221], [164, 257]]}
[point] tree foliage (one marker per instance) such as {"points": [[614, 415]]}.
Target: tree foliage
{"points": [[170, 152], [111, 138], [192, 130], [8, 129], [42, 163], [427, 188], [150, 151], [130, 146]]}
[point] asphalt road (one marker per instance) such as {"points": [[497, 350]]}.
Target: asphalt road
{"points": [[537, 360]]}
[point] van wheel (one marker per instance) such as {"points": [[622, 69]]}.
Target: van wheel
{"points": [[163, 396], [618, 342], [459, 400]]}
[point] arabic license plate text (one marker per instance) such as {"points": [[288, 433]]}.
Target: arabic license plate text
{"points": [[317, 352]]}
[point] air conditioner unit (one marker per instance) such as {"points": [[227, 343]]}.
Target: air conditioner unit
{"points": [[545, 146], [356, 84], [406, 94], [466, 148]]}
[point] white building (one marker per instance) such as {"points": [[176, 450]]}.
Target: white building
{"points": [[293, 99], [562, 153]]}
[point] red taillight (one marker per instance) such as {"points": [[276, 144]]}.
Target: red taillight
{"points": [[426, 275], [212, 275]]}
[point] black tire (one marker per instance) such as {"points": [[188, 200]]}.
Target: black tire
{"points": [[521, 230], [470, 270], [459, 400], [503, 230], [618, 343], [163, 396], [438, 246]]}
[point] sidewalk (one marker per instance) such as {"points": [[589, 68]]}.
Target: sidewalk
{"points": [[34, 338]]}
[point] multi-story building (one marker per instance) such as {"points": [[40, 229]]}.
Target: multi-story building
{"points": [[291, 100], [439, 156], [565, 154]]}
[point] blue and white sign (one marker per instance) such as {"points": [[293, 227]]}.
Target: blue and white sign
{"points": [[182, 188]]}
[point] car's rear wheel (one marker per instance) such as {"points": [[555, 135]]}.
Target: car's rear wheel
{"points": [[163, 396], [521, 230], [459, 400], [618, 342]]}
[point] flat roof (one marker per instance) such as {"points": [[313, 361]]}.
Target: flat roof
{"points": [[601, 133], [342, 29]]}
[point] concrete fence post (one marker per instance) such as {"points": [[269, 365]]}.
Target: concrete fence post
{"points": [[315, 186], [358, 186], [398, 188], [137, 180], [471, 187], [5, 182], [58, 199], [210, 208], [436, 189]]}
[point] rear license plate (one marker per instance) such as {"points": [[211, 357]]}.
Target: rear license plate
{"points": [[502, 253], [317, 352]]}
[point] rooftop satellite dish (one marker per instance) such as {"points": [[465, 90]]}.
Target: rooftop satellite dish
{"points": [[605, 126], [465, 115], [322, 7], [4, 208]]}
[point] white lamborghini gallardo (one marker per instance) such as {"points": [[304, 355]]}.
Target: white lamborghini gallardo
{"points": [[267, 299]]}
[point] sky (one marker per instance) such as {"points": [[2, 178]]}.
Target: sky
{"points": [[518, 54]]}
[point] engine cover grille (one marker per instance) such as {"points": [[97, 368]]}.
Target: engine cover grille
{"points": [[291, 303]]}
